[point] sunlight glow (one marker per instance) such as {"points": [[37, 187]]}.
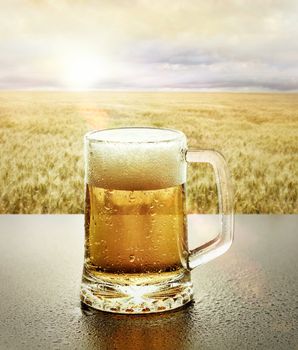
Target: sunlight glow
{"points": [[83, 72]]}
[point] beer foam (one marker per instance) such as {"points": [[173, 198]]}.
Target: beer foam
{"points": [[135, 158]]}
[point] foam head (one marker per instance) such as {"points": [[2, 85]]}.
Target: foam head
{"points": [[135, 158]]}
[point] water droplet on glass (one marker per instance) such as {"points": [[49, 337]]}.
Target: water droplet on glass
{"points": [[132, 258], [132, 196]]}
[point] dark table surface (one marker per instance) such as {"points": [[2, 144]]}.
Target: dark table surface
{"points": [[245, 299]]}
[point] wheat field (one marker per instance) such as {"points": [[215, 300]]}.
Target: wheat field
{"points": [[41, 136]]}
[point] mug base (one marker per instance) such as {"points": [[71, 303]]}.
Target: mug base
{"points": [[130, 298]]}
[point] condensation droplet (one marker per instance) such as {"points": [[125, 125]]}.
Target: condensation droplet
{"points": [[132, 258], [132, 197]]}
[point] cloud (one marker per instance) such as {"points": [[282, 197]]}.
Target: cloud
{"points": [[231, 44]]}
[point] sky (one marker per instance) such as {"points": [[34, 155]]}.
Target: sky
{"points": [[227, 45]]}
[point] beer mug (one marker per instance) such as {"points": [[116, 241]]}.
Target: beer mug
{"points": [[137, 258]]}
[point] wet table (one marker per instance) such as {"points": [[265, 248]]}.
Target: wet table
{"points": [[245, 299]]}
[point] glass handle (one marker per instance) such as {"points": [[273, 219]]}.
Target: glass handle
{"points": [[223, 240]]}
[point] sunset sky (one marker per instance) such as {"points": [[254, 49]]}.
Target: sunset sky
{"points": [[244, 45]]}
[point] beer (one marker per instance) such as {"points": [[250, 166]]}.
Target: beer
{"points": [[135, 229], [135, 232]]}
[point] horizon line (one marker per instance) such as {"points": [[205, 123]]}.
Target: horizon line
{"points": [[260, 91]]}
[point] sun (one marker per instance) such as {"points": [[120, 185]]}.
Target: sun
{"points": [[83, 72]]}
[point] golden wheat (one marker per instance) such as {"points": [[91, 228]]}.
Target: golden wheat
{"points": [[41, 137]]}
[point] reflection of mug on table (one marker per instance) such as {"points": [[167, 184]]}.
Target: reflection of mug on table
{"points": [[136, 253], [156, 331]]}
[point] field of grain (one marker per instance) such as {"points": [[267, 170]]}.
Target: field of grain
{"points": [[41, 137]]}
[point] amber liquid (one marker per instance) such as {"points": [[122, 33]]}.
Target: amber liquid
{"points": [[135, 233]]}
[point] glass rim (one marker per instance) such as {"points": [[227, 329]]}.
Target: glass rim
{"points": [[88, 135]]}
